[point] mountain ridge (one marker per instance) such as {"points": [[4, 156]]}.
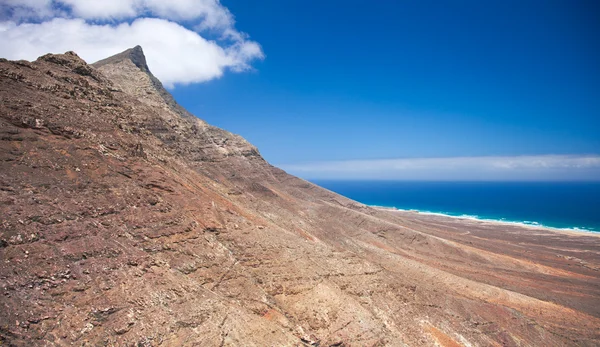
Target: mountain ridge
{"points": [[126, 222], [137, 57], [135, 54]]}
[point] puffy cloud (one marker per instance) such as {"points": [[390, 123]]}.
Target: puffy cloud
{"points": [[211, 12], [542, 167], [172, 35], [105, 9]]}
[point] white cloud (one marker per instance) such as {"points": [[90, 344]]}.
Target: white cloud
{"points": [[26, 9], [212, 13], [175, 48], [542, 167], [105, 9]]}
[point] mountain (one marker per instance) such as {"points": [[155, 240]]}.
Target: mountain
{"points": [[125, 220]]}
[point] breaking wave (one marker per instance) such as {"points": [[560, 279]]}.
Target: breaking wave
{"points": [[525, 223]]}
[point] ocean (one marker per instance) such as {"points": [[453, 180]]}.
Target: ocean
{"points": [[563, 205]]}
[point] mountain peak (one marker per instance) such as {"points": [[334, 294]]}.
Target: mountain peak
{"points": [[135, 55]]}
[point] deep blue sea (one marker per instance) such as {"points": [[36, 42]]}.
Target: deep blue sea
{"points": [[568, 205]]}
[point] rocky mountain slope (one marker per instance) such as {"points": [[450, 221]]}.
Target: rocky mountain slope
{"points": [[127, 221]]}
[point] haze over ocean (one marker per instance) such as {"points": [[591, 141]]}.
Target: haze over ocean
{"points": [[569, 205]]}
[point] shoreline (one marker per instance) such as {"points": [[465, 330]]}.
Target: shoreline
{"points": [[524, 224]]}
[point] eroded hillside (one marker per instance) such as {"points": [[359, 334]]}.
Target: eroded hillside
{"points": [[128, 221]]}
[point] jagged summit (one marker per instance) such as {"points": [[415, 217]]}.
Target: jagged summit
{"points": [[135, 55], [129, 71]]}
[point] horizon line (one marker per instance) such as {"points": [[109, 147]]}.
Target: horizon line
{"points": [[547, 167]]}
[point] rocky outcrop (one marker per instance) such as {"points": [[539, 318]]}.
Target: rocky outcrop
{"points": [[127, 221], [192, 137], [136, 57]]}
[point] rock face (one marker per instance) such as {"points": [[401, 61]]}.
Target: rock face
{"points": [[116, 67], [127, 221]]}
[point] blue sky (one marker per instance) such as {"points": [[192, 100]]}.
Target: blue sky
{"points": [[392, 79], [317, 83]]}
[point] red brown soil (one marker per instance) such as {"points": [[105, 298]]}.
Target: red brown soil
{"points": [[127, 221]]}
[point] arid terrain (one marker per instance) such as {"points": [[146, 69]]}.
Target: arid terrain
{"points": [[127, 221]]}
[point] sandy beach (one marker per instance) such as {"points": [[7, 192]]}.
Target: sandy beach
{"points": [[497, 223]]}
